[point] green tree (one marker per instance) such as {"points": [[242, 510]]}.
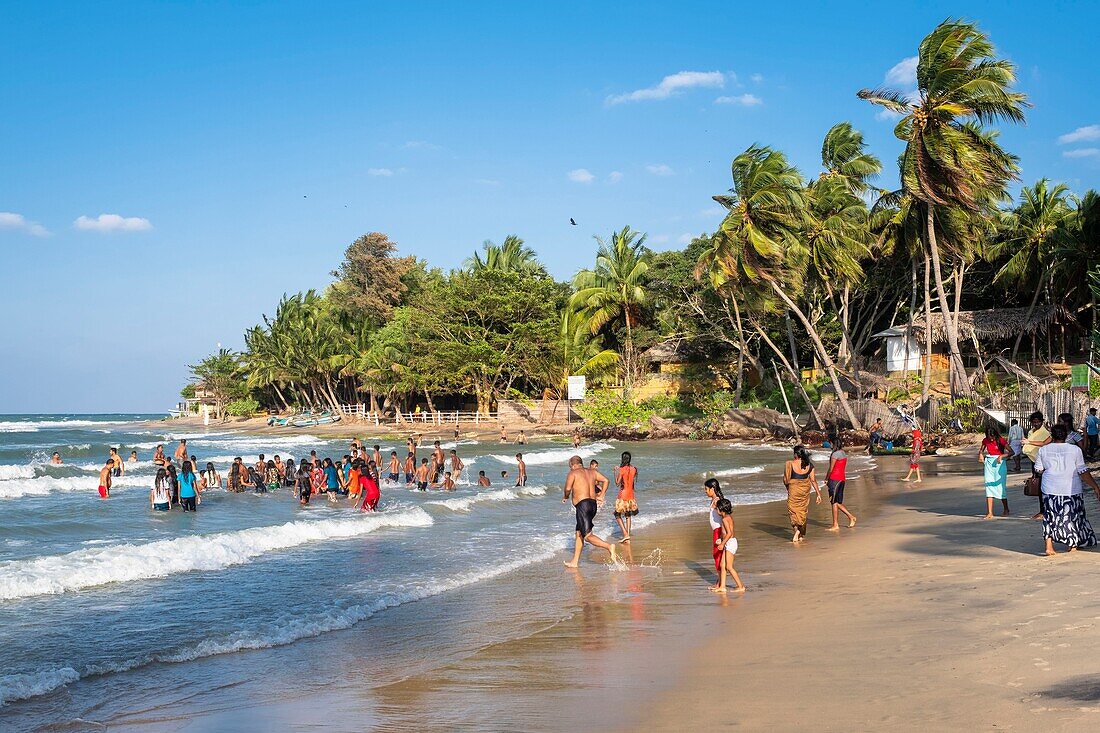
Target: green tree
{"points": [[512, 256], [949, 160], [758, 242], [219, 375], [615, 288], [1033, 233], [371, 280], [484, 332]]}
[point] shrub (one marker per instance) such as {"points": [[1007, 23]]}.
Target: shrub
{"points": [[606, 409], [242, 408]]}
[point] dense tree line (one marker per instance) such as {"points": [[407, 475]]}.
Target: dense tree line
{"points": [[801, 271]]}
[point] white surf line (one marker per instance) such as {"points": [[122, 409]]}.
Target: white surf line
{"points": [[97, 566]]}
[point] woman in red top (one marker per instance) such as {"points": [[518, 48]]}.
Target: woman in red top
{"points": [[992, 454], [626, 506], [368, 481], [838, 463]]}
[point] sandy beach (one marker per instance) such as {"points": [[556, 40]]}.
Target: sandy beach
{"points": [[923, 617]]}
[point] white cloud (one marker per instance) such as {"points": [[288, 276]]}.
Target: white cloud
{"points": [[113, 223], [1082, 153], [580, 175], [487, 181], [380, 172], [745, 100], [421, 145], [659, 239], [888, 114], [10, 220], [614, 177], [685, 238], [1081, 134], [672, 85], [903, 73], [757, 78], [660, 169]]}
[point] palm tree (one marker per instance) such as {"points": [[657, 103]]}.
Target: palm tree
{"points": [[512, 256], [844, 156], [949, 161], [1032, 232], [758, 240], [615, 288]]}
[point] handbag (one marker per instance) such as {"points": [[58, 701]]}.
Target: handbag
{"points": [[1031, 486]]}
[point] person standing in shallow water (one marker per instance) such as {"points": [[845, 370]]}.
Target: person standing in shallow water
{"points": [[714, 493], [626, 505], [835, 479], [800, 479], [579, 489]]}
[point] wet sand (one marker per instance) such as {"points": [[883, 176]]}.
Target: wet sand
{"points": [[924, 616]]}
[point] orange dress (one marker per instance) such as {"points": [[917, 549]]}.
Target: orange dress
{"points": [[625, 504]]}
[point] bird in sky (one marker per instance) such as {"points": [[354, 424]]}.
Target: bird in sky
{"points": [[572, 222]]}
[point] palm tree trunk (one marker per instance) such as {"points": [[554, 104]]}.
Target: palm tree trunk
{"points": [[909, 325], [830, 367], [740, 354], [926, 388], [957, 372], [1027, 318], [628, 354], [282, 398], [795, 376], [793, 345], [428, 398]]}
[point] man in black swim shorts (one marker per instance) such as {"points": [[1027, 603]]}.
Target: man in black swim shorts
{"points": [[579, 487]]}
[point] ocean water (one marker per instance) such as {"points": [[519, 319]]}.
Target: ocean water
{"points": [[108, 609]]}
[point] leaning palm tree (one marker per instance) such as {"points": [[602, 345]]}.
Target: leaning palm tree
{"points": [[512, 256], [615, 288], [758, 241], [1033, 233], [949, 161]]}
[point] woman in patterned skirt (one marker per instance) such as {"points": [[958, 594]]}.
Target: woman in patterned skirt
{"points": [[1061, 467]]}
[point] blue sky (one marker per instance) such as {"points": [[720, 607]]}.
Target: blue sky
{"points": [[170, 169]]}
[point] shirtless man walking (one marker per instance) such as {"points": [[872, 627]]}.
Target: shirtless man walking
{"points": [[438, 460], [456, 465], [181, 451], [579, 487]]}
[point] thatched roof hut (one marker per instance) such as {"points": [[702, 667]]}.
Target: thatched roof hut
{"points": [[994, 324]]}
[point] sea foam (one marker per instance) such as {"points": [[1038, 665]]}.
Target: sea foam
{"points": [[90, 567], [554, 455], [463, 503]]}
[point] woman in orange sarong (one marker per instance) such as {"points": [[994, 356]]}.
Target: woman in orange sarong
{"points": [[800, 479]]}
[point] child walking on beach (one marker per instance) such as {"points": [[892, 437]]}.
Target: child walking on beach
{"points": [[914, 457], [728, 545]]}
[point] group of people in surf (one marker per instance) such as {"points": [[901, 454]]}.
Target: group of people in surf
{"points": [[358, 476]]}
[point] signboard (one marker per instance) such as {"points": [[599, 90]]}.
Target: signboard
{"points": [[1080, 374], [576, 388]]}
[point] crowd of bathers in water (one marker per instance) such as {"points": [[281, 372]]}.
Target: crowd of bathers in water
{"points": [[357, 477]]}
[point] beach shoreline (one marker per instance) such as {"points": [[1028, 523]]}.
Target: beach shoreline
{"points": [[922, 617]]}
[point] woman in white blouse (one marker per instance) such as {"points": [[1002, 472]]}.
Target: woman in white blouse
{"points": [[1062, 470]]}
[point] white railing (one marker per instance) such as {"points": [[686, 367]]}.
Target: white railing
{"points": [[439, 417]]}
